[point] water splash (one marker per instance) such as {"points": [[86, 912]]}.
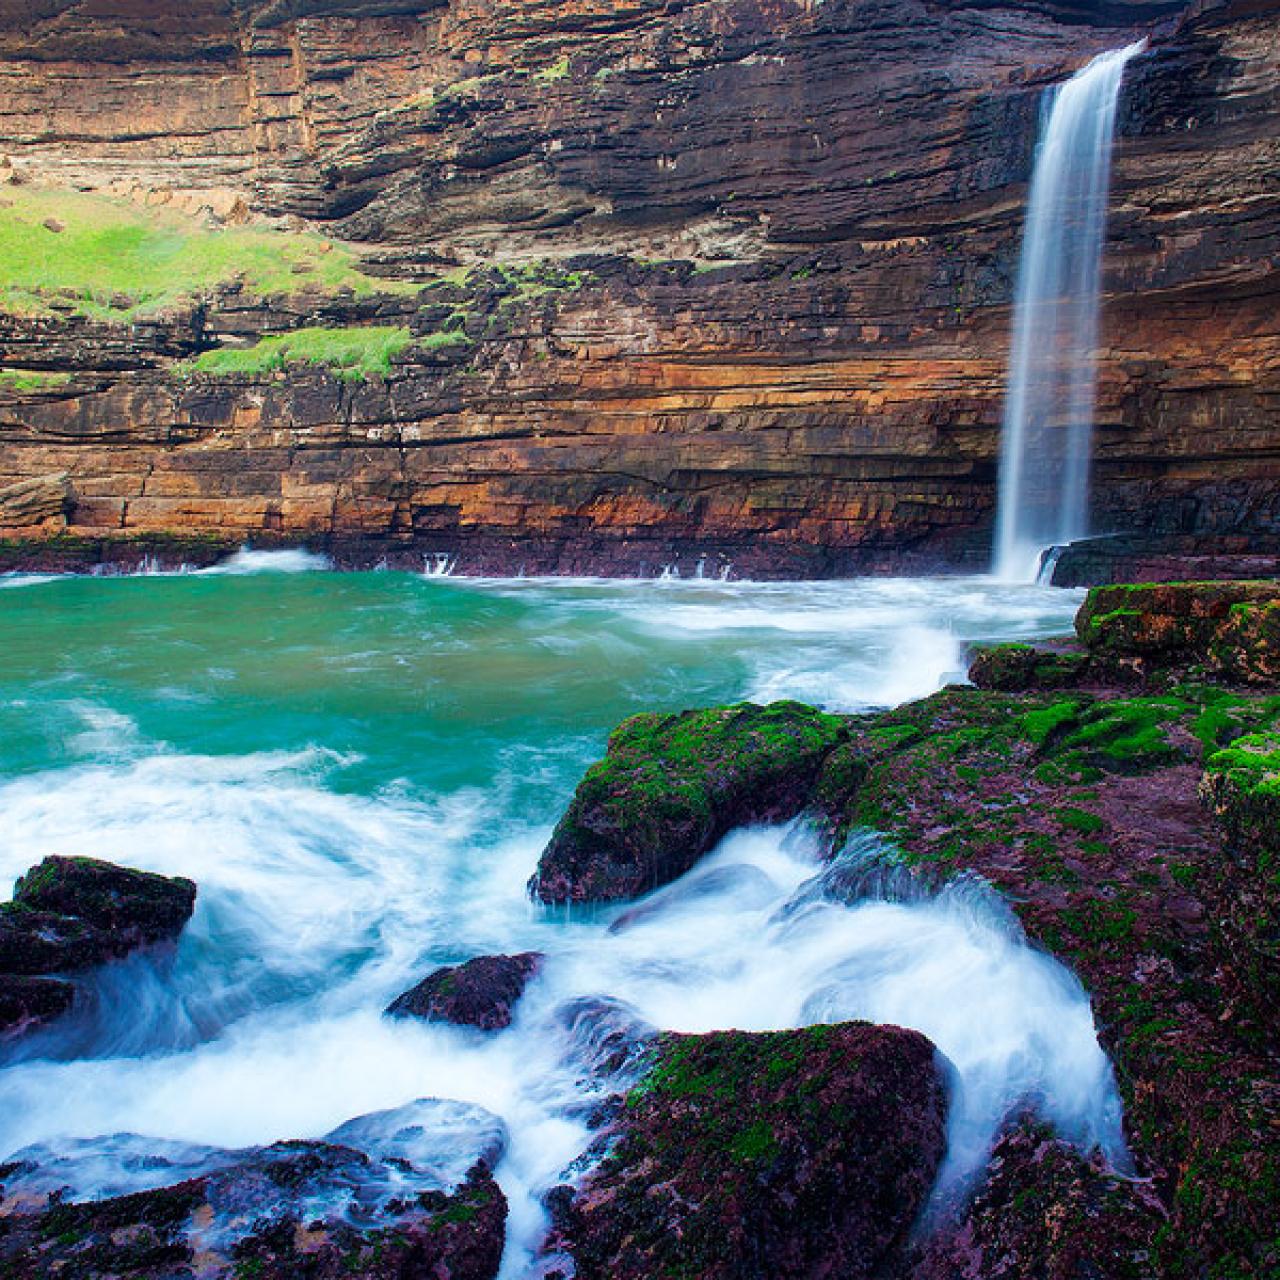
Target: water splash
{"points": [[1047, 436], [284, 560]]}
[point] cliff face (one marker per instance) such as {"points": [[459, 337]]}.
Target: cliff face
{"points": [[700, 279]]}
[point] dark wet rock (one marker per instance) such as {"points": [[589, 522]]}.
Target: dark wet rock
{"points": [[138, 907], [71, 914], [27, 1003], [480, 993], [1047, 1211], [670, 787], [606, 1039], [758, 1155], [408, 1201]]}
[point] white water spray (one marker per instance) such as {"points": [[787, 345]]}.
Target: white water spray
{"points": [[1047, 436]]}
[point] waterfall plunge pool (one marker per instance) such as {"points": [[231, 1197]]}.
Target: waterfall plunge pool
{"points": [[360, 770]]}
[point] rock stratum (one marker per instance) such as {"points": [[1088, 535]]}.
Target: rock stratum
{"points": [[657, 281]]}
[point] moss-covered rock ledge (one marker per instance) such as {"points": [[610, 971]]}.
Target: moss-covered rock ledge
{"points": [[671, 786], [1121, 788]]}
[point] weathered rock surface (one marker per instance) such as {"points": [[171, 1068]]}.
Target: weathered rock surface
{"points": [[1163, 634], [670, 787], [1046, 1211], [478, 993], [792, 232], [367, 1200], [69, 914], [749, 1156]]}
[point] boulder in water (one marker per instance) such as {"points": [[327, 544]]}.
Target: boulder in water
{"points": [[749, 1156], [396, 1194], [70, 914], [480, 993], [670, 787]]}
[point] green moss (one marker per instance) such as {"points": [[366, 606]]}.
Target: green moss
{"points": [[1080, 820], [354, 353], [1041, 724]]}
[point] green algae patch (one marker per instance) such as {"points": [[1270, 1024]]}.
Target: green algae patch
{"points": [[355, 354], [670, 787], [113, 259]]}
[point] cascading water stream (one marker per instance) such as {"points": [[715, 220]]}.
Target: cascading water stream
{"points": [[1047, 435]]}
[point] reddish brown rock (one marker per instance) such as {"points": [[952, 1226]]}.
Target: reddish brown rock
{"points": [[479, 993], [750, 1156]]}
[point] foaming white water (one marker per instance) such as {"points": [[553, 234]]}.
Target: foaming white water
{"points": [[332, 879], [316, 908], [10, 581], [287, 560], [844, 645]]}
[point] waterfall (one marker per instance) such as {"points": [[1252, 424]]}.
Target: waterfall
{"points": [[1046, 438]]}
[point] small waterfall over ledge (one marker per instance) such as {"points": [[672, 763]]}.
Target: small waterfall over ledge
{"points": [[1047, 435]]}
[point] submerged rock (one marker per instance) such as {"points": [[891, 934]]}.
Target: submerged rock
{"points": [[670, 787], [27, 1003], [480, 993], [70, 914], [388, 1196], [751, 1156]]}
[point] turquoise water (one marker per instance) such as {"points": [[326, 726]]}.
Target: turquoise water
{"points": [[360, 770]]}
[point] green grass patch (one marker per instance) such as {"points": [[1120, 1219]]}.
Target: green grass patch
{"points": [[31, 380], [355, 353], [109, 258]]}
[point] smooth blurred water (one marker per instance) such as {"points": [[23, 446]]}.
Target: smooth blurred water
{"points": [[360, 771], [1047, 434]]}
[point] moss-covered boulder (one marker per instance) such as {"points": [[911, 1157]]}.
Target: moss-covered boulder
{"points": [[481, 993], [751, 1156], [1231, 628], [670, 787], [70, 914], [1241, 786], [136, 907], [1010, 667]]}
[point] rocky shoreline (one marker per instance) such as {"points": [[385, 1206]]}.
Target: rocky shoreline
{"points": [[1118, 787]]}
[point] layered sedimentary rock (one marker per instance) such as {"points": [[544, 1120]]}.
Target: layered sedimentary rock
{"points": [[787, 234]]}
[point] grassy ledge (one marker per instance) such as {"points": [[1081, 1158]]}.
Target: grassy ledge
{"points": [[353, 353], [108, 258]]}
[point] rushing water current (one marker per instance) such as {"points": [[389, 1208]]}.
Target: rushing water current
{"points": [[360, 770]]}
